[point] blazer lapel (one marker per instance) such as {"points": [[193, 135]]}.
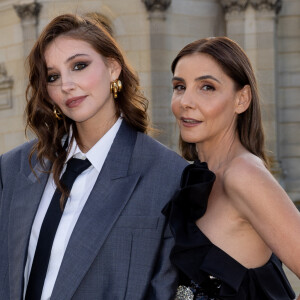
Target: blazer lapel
{"points": [[109, 196], [25, 201]]}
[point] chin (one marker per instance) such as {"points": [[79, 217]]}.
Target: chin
{"points": [[80, 116], [189, 139]]}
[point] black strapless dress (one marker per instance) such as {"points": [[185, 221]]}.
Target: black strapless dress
{"points": [[206, 271]]}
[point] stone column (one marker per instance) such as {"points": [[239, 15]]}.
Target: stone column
{"points": [[252, 23], [260, 43], [160, 97], [28, 13], [235, 19], [288, 93]]}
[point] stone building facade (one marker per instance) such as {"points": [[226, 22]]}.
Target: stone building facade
{"points": [[151, 32]]}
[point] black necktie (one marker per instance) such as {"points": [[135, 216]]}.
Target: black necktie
{"points": [[48, 229]]}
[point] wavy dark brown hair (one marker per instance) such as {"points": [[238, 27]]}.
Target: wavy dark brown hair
{"points": [[50, 131], [235, 63]]}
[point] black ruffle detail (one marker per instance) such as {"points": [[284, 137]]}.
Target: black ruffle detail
{"points": [[191, 200], [197, 258]]}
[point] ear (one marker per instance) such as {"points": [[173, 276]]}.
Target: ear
{"points": [[243, 101], [115, 69]]}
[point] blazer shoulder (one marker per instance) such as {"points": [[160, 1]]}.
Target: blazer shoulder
{"points": [[16, 157], [152, 150]]}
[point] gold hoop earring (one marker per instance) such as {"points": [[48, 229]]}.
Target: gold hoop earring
{"points": [[115, 87], [57, 114]]}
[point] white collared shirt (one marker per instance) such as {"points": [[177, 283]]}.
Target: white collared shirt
{"points": [[79, 194]]}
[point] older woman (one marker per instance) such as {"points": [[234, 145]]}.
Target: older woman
{"points": [[232, 221]]}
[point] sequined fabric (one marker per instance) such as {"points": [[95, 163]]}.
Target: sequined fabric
{"points": [[197, 292], [184, 293]]}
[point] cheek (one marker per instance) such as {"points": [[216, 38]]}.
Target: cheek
{"points": [[98, 82], [175, 106], [220, 108], [54, 95], [91, 80], [216, 111]]}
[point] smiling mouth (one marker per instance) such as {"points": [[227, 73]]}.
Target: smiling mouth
{"points": [[190, 121]]}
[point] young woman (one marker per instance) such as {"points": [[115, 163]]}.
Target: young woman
{"points": [[232, 221], [81, 219]]}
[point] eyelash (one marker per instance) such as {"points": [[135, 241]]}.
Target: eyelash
{"points": [[178, 87], [52, 78], [208, 87], [82, 64], [78, 66], [205, 87]]}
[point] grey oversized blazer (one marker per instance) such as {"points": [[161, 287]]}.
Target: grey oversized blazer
{"points": [[120, 246]]}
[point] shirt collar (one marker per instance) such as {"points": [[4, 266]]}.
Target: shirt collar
{"points": [[98, 153]]}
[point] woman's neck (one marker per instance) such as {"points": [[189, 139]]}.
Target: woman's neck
{"points": [[88, 134], [219, 152]]}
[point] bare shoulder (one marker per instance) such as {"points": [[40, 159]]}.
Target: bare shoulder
{"points": [[246, 178], [262, 202], [244, 169]]}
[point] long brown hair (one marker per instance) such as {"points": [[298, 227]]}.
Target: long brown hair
{"points": [[235, 63], [39, 110]]}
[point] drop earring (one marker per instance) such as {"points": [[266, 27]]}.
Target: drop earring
{"points": [[115, 87], [56, 113]]}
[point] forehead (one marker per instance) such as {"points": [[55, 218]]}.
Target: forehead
{"points": [[63, 47], [198, 63]]}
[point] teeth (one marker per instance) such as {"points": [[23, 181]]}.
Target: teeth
{"points": [[190, 121]]}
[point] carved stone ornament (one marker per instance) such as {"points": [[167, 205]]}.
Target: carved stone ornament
{"points": [[234, 5], [26, 11], [161, 5], [6, 84], [266, 4]]}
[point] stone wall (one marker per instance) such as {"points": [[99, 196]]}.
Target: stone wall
{"points": [[12, 65], [151, 33], [288, 96]]}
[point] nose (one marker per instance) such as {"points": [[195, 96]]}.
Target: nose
{"points": [[67, 86], [67, 81], [187, 100]]}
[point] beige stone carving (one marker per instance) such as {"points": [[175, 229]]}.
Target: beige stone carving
{"points": [[266, 4], [233, 5], [26, 11], [160, 5], [6, 84]]}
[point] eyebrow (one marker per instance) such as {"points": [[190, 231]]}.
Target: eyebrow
{"points": [[177, 78], [71, 58], [207, 77], [198, 78]]}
